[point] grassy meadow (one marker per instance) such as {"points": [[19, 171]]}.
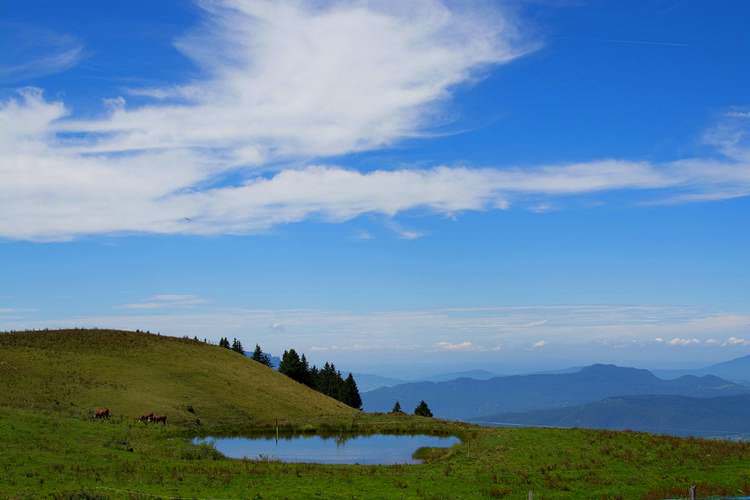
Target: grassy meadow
{"points": [[51, 448]]}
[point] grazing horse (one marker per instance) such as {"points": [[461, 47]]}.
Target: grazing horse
{"points": [[102, 413], [148, 417], [159, 419]]}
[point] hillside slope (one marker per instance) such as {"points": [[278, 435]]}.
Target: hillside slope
{"points": [[469, 398], [73, 371], [677, 415]]}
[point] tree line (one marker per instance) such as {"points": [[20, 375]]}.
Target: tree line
{"points": [[327, 380], [235, 346], [422, 410]]}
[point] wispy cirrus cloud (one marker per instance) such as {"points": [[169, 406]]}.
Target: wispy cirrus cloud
{"points": [[36, 52], [286, 81], [166, 301]]}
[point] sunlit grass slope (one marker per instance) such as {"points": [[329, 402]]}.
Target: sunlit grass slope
{"points": [[73, 371]]}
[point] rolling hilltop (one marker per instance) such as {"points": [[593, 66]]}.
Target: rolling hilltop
{"points": [[73, 371], [469, 398]]}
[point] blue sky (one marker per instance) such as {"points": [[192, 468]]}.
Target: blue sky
{"points": [[507, 185]]}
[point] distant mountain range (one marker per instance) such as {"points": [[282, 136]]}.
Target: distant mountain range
{"points": [[467, 398], [737, 370], [370, 382], [475, 374], [679, 415]]}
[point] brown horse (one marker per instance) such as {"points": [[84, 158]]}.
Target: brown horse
{"points": [[148, 417], [159, 419], [102, 413]]}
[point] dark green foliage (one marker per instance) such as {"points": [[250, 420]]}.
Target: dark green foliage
{"points": [[291, 365], [261, 357], [305, 373], [224, 342], [351, 393], [237, 347], [327, 380], [422, 410], [397, 408]]}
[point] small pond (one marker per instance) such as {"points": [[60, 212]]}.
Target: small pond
{"points": [[376, 449]]}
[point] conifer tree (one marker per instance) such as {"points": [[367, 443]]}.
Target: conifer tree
{"points": [[422, 410], [237, 347], [351, 393], [304, 373], [261, 357], [291, 366], [397, 408]]}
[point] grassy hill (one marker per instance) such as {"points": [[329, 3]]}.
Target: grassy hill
{"points": [[73, 371], [50, 381]]}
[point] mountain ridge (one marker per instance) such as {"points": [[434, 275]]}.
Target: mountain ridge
{"points": [[663, 414], [469, 398]]}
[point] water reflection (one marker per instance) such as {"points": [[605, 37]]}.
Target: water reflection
{"points": [[373, 449]]}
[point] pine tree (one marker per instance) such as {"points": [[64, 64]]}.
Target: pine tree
{"points": [[224, 342], [315, 378], [351, 393], [237, 347], [305, 376], [291, 366], [397, 409], [261, 357], [422, 410], [327, 383]]}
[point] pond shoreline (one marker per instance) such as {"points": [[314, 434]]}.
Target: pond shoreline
{"points": [[341, 448]]}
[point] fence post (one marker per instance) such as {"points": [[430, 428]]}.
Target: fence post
{"points": [[692, 492]]}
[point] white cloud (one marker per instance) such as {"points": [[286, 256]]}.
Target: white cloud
{"points": [[286, 78], [285, 81], [164, 301], [555, 330], [736, 341], [677, 341], [36, 52], [458, 346]]}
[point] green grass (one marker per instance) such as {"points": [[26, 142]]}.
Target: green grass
{"points": [[52, 449], [74, 371]]}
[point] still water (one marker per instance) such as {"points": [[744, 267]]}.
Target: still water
{"points": [[373, 449]]}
